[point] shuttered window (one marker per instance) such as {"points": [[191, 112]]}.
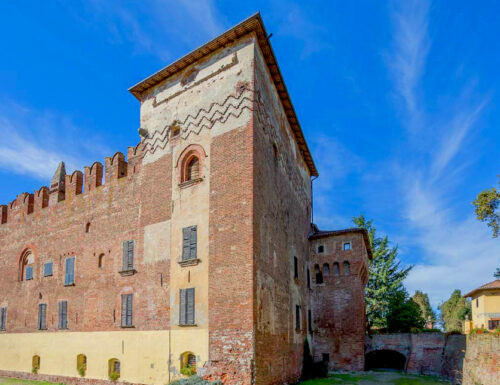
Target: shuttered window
{"points": [[193, 169], [63, 314], [3, 318], [127, 304], [69, 272], [189, 243], [128, 256], [47, 269], [186, 311], [29, 273], [42, 316]]}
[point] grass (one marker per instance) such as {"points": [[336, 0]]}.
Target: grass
{"points": [[376, 378], [16, 381]]}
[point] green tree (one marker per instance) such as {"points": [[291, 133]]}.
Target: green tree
{"points": [[404, 314], [385, 275], [453, 312], [486, 207], [422, 300]]}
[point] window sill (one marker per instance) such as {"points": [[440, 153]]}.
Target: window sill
{"points": [[189, 262], [127, 272], [190, 182], [127, 327], [188, 325], [69, 284]]}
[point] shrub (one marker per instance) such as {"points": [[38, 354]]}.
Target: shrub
{"points": [[434, 331], [497, 332], [35, 368], [188, 370], [479, 331], [113, 376], [81, 370], [195, 380]]}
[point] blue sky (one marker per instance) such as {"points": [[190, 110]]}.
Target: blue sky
{"points": [[398, 102]]}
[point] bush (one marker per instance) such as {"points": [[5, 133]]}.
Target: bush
{"points": [[497, 332], [195, 380], [81, 370], [479, 331], [113, 376], [188, 370], [34, 370], [433, 331]]}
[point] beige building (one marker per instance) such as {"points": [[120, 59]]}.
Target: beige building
{"points": [[485, 307]]}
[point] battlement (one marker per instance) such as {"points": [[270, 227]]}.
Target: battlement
{"points": [[65, 186]]}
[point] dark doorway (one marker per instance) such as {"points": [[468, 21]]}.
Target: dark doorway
{"points": [[385, 359]]}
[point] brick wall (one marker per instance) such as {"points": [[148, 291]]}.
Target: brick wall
{"points": [[482, 360]]}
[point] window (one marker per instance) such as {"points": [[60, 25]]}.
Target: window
{"points": [[188, 361], [336, 269], [63, 314], [69, 273], [35, 364], [186, 311], [100, 261], [114, 369], [309, 321], [193, 169], [87, 227], [297, 317], [81, 364], [347, 268], [176, 130], [29, 273], [308, 279], [325, 357], [128, 256], [347, 245], [295, 268], [326, 270], [42, 316], [189, 243], [477, 302], [493, 324], [319, 275], [127, 303], [47, 269], [321, 249], [3, 318]]}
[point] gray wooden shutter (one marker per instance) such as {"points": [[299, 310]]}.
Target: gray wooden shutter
{"points": [[128, 256], [124, 310], [185, 243], [124, 258], [193, 242], [190, 306], [42, 312], [182, 307], [39, 316], [3, 318], [64, 314], [69, 274], [129, 309], [60, 316]]}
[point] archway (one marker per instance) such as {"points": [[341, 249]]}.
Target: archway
{"points": [[385, 359]]}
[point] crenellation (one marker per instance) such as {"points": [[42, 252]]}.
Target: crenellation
{"points": [[41, 198], [134, 158], [3, 214], [93, 176], [116, 167], [74, 184]]}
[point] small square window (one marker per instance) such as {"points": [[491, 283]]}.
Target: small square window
{"points": [[47, 269], [321, 249], [347, 246]]}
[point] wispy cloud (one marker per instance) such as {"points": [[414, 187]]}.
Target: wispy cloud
{"points": [[34, 142]]}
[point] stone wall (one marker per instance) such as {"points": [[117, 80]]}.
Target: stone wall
{"points": [[482, 360]]}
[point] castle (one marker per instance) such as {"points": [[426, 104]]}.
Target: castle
{"points": [[196, 253]]}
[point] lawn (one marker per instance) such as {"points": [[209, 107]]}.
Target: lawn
{"points": [[376, 378], [15, 381]]}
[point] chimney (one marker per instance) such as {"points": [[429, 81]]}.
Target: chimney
{"points": [[57, 186]]}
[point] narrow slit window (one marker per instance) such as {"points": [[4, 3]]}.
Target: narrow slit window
{"points": [[297, 317], [127, 304], [295, 268], [347, 268]]}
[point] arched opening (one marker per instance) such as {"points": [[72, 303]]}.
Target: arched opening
{"points": [[35, 364], [347, 268], [26, 266], [114, 369], [87, 227], [100, 261], [319, 275], [188, 364], [326, 270], [385, 359], [336, 269], [81, 364], [193, 169]]}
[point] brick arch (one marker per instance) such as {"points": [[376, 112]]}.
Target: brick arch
{"points": [[187, 155], [28, 248]]}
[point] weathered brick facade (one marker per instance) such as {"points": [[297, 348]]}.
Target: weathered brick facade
{"points": [[222, 153]]}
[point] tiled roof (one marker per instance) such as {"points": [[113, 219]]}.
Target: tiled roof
{"points": [[488, 286]]}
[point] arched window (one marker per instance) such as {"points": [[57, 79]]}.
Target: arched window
{"points": [[87, 227], [188, 364], [326, 270], [114, 369], [347, 268], [35, 364], [81, 364], [336, 269], [26, 268], [193, 169], [319, 275], [100, 261]]}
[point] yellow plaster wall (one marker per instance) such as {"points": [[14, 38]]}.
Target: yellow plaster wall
{"points": [[143, 355], [489, 304]]}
